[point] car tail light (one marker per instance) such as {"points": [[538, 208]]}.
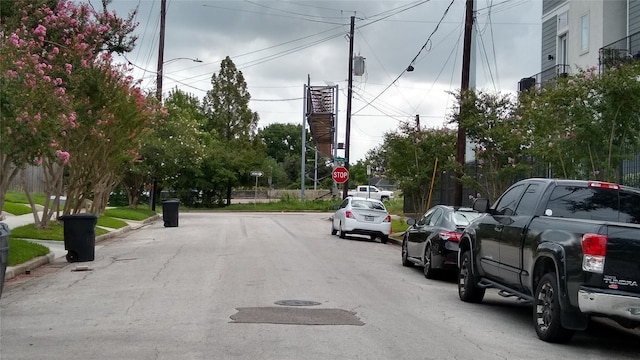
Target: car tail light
{"points": [[450, 236], [594, 249], [349, 215], [604, 185], [387, 219]]}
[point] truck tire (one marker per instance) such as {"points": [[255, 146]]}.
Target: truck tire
{"points": [[547, 312], [468, 290]]}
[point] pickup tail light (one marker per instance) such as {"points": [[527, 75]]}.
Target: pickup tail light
{"points": [[450, 236], [348, 214], [594, 250], [387, 219]]}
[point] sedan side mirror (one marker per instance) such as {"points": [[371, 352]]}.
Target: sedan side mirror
{"points": [[411, 221]]}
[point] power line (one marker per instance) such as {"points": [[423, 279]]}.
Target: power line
{"points": [[414, 59]]}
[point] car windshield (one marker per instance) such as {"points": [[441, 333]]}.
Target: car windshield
{"points": [[463, 218], [365, 204]]}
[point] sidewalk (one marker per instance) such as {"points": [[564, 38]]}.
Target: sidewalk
{"points": [[56, 248]]}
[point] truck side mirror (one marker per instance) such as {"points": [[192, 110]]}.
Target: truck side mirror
{"points": [[481, 205]]}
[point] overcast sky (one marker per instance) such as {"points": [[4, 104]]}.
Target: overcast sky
{"points": [[279, 44]]}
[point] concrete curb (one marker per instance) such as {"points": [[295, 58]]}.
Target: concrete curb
{"points": [[20, 269]]}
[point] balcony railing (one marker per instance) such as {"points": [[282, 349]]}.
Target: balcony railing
{"points": [[622, 51], [548, 75]]}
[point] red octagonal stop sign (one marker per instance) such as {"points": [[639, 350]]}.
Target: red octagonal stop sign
{"points": [[340, 174]]}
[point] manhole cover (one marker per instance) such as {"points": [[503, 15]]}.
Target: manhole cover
{"points": [[297, 303]]}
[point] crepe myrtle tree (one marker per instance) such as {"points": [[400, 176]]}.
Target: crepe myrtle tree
{"points": [[44, 44], [584, 125]]}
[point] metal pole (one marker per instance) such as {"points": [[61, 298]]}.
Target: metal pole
{"points": [[345, 189], [304, 138]]}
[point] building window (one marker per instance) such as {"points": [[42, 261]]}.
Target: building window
{"points": [[584, 31]]}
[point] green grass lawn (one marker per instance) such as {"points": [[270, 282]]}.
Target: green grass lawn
{"points": [[16, 208], [21, 251]]}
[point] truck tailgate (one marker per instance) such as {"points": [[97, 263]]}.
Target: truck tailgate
{"points": [[622, 263]]}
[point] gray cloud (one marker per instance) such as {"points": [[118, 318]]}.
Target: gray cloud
{"points": [[277, 44]]}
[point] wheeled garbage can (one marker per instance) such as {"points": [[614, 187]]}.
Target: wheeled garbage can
{"points": [[170, 212], [4, 252], [80, 236]]}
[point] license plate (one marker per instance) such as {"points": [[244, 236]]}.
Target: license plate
{"points": [[368, 218]]}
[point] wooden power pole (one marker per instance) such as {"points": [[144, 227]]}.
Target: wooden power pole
{"points": [[461, 141], [347, 142]]}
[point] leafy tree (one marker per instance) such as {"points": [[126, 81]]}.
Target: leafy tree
{"points": [[499, 136], [47, 43], [583, 126], [233, 124], [173, 148], [410, 159]]}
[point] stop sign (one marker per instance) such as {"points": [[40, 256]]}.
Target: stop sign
{"points": [[340, 174]]}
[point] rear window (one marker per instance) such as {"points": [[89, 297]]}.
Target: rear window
{"points": [[594, 204], [364, 204], [463, 218]]}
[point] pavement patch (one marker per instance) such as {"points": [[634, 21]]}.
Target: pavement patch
{"points": [[295, 316]]}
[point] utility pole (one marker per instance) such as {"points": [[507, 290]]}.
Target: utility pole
{"points": [[347, 142], [163, 13], [461, 141]]}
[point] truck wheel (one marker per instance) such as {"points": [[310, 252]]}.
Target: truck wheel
{"points": [[405, 254], [429, 271], [468, 291], [547, 312]]}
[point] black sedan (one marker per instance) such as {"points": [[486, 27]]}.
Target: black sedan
{"points": [[432, 241]]}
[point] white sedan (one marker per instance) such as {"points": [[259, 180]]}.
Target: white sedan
{"points": [[362, 216]]}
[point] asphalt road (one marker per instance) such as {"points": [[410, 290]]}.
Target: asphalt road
{"points": [[209, 289]]}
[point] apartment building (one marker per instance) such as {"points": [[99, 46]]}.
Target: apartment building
{"points": [[580, 34]]}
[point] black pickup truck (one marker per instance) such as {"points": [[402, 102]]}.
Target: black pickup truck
{"points": [[569, 248]]}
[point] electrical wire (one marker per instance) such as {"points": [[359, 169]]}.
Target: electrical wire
{"points": [[414, 59]]}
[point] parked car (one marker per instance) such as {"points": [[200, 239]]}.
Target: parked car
{"points": [[362, 216], [432, 241], [373, 192]]}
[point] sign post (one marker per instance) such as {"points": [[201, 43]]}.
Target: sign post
{"points": [[257, 174]]}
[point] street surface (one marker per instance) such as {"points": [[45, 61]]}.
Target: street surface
{"points": [[208, 290]]}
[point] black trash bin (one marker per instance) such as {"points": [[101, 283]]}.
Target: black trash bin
{"points": [[80, 236], [4, 252], [170, 212]]}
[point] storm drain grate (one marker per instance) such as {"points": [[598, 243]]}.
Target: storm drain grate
{"points": [[297, 303], [295, 316]]}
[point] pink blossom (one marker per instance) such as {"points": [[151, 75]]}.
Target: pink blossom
{"points": [[60, 91], [12, 74], [9, 131], [40, 31], [54, 144], [68, 68], [63, 156], [58, 81]]}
